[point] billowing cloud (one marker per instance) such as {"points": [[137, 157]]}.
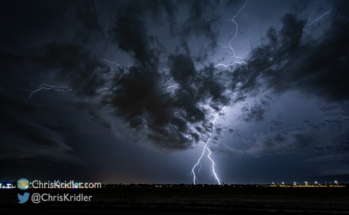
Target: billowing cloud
{"points": [[164, 86], [330, 137], [289, 61], [22, 134], [257, 111]]}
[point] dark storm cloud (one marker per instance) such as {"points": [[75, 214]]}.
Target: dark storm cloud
{"points": [[97, 118], [25, 128], [223, 149], [76, 66], [38, 22], [257, 111], [329, 137], [299, 6], [201, 85], [231, 2], [159, 9], [330, 157], [85, 13], [21, 136], [175, 118], [289, 61], [70, 63], [18, 17], [202, 20], [11, 54], [140, 97], [341, 148], [314, 66], [141, 100], [131, 36], [28, 130]]}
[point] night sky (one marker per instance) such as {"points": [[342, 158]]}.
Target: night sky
{"points": [[131, 91]]}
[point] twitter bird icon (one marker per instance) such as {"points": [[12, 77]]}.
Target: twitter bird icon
{"points": [[23, 198]]}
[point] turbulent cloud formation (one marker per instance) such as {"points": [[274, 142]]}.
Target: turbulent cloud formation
{"points": [[289, 61], [149, 69], [23, 136], [201, 20], [142, 100], [76, 67], [70, 63], [256, 112], [330, 136], [140, 97]]}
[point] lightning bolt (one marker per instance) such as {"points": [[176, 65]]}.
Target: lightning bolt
{"points": [[111, 62], [242, 61], [51, 87], [231, 40], [171, 86], [168, 81], [214, 172], [217, 114], [46, 87], [197, 163], [65, 88], [209, 152], [310, 23]]}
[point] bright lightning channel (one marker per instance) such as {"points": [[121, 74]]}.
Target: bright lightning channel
{"points": [[209, 152], [168, 81], [111, 62], [175, 85], [229, 44], [217, 114], [172, 86], [54, 88], [46, 87], [310, 23]]}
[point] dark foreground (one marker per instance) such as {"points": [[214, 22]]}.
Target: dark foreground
{"points": [[185, 200]]}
